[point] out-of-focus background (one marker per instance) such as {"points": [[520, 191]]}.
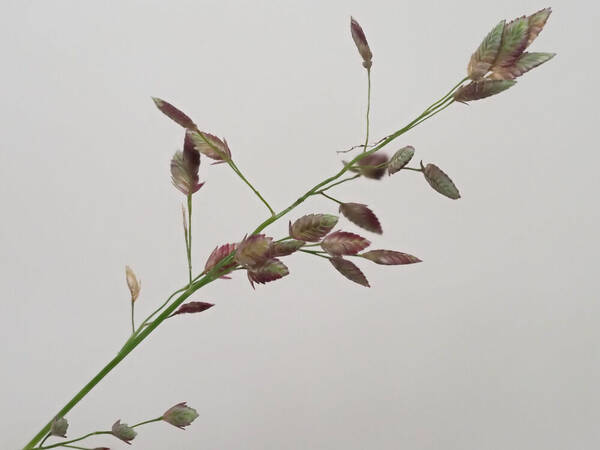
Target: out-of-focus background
{"points": [[490, 343]]}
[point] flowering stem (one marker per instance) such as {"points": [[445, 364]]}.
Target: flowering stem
{"points": [[167, 309], [132, 317]]}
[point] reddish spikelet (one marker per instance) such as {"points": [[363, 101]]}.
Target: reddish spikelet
{"points": [[174, 113], [217, 255], [514, 42], [502, 51], [373, 165], [358, 35], [525, 63], [184, 168], [536, 23], [312, 227], [253, 250], [362, 216], [343, 243], [390, 257], [210, 145], [486, 54], [477, 90], [285, 248], [440, 182], [193, 307], [349, 270], [270, 270]]}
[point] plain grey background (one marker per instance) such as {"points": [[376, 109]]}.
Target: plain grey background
{"points": [[491, 343]]}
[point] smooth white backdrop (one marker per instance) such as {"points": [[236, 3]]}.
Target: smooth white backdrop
{"points": [[491, 343]]}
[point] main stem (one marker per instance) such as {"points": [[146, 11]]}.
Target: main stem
{"points": [[144, 332]]}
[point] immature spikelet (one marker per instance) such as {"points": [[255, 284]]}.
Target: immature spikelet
{"points": [[400, 159], [133, 283], [358, 35], [123, 432], [180, 415]]}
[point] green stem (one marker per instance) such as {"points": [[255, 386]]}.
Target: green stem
{"points": [[144, 332], [368, 107], [413, 169], [132, 317], [189, 237]]}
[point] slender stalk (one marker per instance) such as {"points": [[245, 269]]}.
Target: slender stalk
{"points": [[132, 317], [368, 108], [45, 439], [354, 177], [158, 419], [314, 253], [235, 169], [245, 180], [445, 97], [167, 309], [64, 443], [413, 169], [330, 198], [189, 237], [439, 109]]}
